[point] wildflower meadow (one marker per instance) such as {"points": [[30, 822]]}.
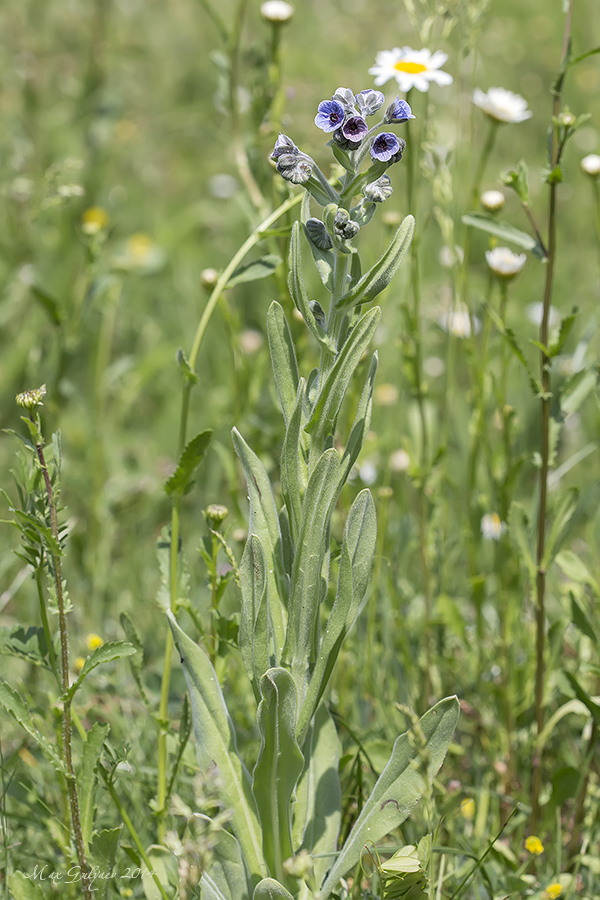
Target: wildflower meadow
{"points": [[300, 459]]}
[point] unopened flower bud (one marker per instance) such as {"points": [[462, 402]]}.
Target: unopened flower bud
{"points": [[276, 11], [492, 201], [208, 278], [566, 119], [318, 234], [318, 312], [343, 226], [379, 190], [591, 165], [30, 399], [215, 515]]}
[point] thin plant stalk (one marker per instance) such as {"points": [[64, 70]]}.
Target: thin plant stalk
{"points": [[64, 662], [540, 582], [218, 290]]}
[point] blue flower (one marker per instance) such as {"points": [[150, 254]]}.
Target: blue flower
{"points": [[330, 116], [385, 146], [369, 102], [354, 129], [398, 112]]}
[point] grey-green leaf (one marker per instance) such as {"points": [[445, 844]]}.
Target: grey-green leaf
{"points": [[216, 745], [356, 560], [381, 274], [333, 391], [106, 653], [92, 749], [226, 872], [264, 522], [294, 470], [253, 271], [278, 767], [269, 889], [318, 810], [504, 231], [297, 288], [254, 620], [283, 359], [399, 787], [362, 421]]}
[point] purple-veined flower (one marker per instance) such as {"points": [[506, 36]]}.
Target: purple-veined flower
{"points": [[330, 116], [385, 146], [398, 112], [354, 129]]}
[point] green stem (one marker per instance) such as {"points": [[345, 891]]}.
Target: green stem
{"points": [[540, 582], [483, 161], [133, 833], [64, 660], [218, 290]]}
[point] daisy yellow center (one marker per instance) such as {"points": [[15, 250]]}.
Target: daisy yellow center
{"points": [[412, 68], [495, 521]]}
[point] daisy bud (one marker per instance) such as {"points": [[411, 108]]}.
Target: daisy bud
{"points": [[276, 11], [492, 201], [591, 165]]}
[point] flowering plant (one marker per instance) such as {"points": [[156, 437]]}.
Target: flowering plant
{"points": [[286, 816]]}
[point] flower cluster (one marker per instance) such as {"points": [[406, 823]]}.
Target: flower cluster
{"points": [[344, 117]]}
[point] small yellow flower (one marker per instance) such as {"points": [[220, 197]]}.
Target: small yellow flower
{"points": [[553, 891], [533, 845], [94, 219], [467, 808], [93, 641], [79, 663]]}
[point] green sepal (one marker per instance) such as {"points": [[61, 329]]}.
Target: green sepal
{"points": [[381, 274]]}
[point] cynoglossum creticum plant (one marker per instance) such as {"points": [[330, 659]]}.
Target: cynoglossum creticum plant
{"points": [[285, 817]]}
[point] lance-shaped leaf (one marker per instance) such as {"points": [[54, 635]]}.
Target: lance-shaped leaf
{"points": [[381, 274], [332, 393], [318, 809], [399, 787], [278, 767], [227, 873], [283, 359], [14, 704], [269, 889], [297, 289], [182, 478], [264, 522], [307, 589], [216, 745], [254, 621], [356, 560], [253, 271], [362, 421], [294, 472], [503, 231], [92, 749]]}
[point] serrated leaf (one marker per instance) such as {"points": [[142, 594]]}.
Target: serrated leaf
{"points": [[183, 363], [398, 789], [106, 653], [14, 704], [216, 745], [560, 521], [504, 231], [103, 848], [180, 481], [566, 326], [136, 660], [23, 887], [279, 765], [27, 644], [255, 270], [381, 274], [283, 358], [519, 532], [580, 618], [584, 698]]}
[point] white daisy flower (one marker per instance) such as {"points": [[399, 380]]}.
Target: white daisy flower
{"points": [[591, 165], [504, 263], [411, 68], [501, 105], [276, 11], [492, 527]]}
